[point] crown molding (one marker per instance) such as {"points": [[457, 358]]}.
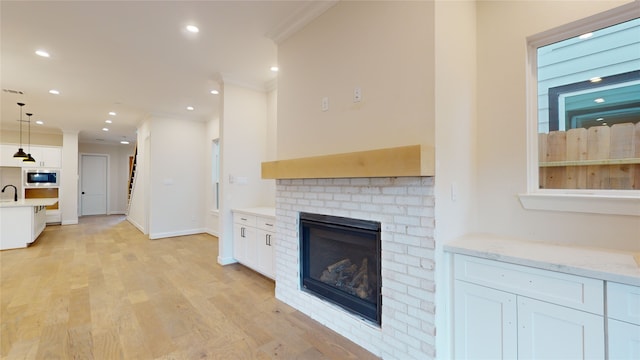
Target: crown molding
{"points": [[296, 21]]}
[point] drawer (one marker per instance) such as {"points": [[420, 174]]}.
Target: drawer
{"points": [[573, 291], [244, 219], [266, 224], [623, 302]]}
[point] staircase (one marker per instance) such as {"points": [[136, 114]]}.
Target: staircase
{"points": [[132, 175]]}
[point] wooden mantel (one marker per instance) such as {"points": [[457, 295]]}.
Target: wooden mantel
{"points": [[413, 160]]}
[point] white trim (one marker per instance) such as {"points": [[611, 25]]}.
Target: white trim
{"points": [[226, 261], [299, 19], [69, 222], [162, 235], [585, 203], [135, 224], [616, 202]]}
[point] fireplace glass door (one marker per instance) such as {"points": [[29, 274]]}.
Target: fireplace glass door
{"points": [[340, 262]]}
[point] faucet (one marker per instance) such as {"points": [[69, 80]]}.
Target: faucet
{"points": [[15, 191]]}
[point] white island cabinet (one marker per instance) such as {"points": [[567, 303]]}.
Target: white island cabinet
{"points": [[254, 239], [22, 221]]}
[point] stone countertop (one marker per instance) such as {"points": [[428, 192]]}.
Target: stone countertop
{"points": [[28, 202], [259, 211], [598, 263]]}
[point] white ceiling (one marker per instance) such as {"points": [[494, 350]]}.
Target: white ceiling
{"points": [[135, 58]]}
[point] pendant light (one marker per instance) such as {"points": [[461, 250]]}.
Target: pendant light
{"points": [[29, 158], [20, 153]]}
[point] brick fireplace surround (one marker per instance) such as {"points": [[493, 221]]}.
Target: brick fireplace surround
{"points": [[405, 208]]}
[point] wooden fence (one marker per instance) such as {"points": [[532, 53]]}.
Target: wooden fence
{"points": [[600, 157]]}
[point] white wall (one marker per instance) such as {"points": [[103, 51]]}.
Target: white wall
{"points": [[212, 215], [243, 148], [68, 192], [118, 172], [502, 28], [177, 176], [455, 139], [386, 49], [139, 208]]}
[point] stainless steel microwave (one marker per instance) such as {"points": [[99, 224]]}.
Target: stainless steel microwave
{"points": [[41, 178]]}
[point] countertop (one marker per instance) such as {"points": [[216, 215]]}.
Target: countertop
{"points": [[28, 202], [260, 211], [598, 263]]}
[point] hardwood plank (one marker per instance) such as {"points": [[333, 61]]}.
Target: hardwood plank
{"points": [[102, 290]]}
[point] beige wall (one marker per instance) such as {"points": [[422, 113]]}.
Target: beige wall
{"points": [[386, 49], [13, 137], [118, 172], [501, 152]]}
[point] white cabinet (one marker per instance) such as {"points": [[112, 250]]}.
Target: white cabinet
{"points": [[45, 156], [485, 323], [253, 241], [39, 221], [550, 331], [6, 156], [265, 241], [506, 311], [623, 321]]}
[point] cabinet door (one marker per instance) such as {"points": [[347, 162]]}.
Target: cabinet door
{"points": [[51, 157], [239, 243], [6, 156], [251, 250], [265, 253], [624, 340], [548, 331], [484, 323]]}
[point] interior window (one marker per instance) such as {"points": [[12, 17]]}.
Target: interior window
{"points": [[588, 95]]}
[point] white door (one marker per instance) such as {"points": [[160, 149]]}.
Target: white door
{"points": [[93, 185], [485, 323], [548, 331]]}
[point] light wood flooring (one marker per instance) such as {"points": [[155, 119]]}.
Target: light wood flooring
{"points": [[102, 290]]}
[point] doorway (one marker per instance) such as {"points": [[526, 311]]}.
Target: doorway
{"points": [[93, 184]]}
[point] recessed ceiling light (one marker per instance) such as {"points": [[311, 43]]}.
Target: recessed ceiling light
{"points": [[599, 100], [40, 122], [42, 53], [105, 129], [54, 92], [585, 36], [108, 121], [190, 108], [274, 69], [124, 142], [595, 79], [215, 92], [192, 28], [599, 119], [112, 113]]}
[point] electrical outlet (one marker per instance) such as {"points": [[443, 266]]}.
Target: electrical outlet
{"points": [[357, 94], [324, 106]]}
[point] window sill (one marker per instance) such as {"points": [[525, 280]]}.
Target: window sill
{"points": [[593, 203]]}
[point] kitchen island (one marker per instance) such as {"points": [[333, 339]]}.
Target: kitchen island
{"points": [[22, 221]]}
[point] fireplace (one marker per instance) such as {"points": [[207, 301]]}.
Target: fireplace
{"points": [[340, 262]]}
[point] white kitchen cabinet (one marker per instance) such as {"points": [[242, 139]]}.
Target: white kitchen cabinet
{"points": [[506, 311], [485, 323], [265, 241], [550, 331], [45, 156], [623, 321], [6, 155], [253, 240]]}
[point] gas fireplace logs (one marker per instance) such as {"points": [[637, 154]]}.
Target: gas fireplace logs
{"points": [[347, 277]]}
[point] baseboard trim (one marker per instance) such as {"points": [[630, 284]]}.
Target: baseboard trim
{"points": [[226, 261], [69, 222], [163, 235], [135, 224]]}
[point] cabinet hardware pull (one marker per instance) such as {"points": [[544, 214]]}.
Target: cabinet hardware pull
{"points": [[243, 219], [241, 232], [268, 224]]}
